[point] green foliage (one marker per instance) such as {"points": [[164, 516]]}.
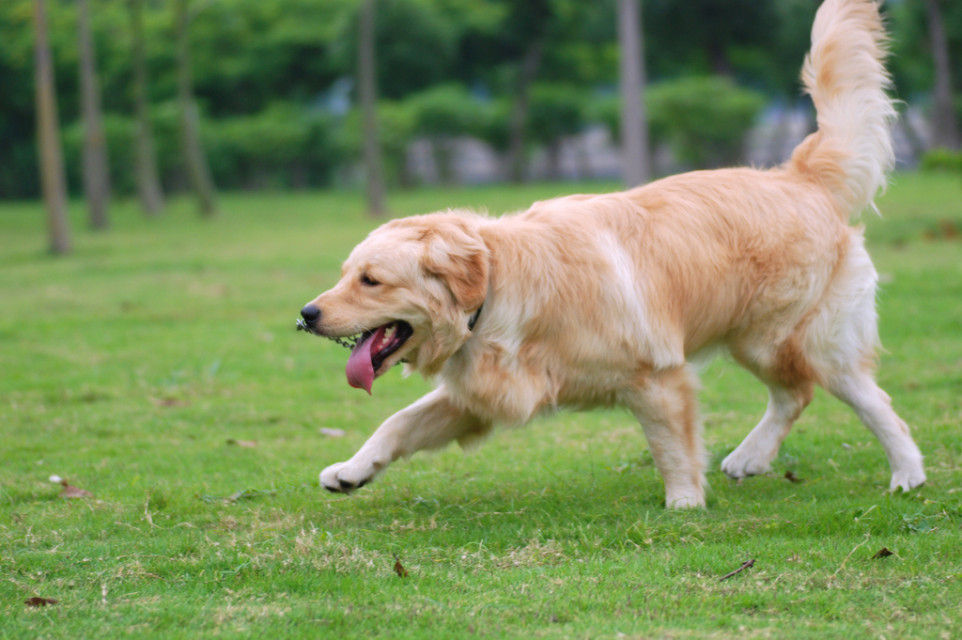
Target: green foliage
{"points": [[415, 42], [280, 147], [555, 110], [283, 146], [911, 47], [396, 129], [129, 365], [494, 127], [704, 119], [445, 111], [943, 160], [250, 57]]}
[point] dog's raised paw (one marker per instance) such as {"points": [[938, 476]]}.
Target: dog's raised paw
{"points": [[739, 465], [342, 478]]}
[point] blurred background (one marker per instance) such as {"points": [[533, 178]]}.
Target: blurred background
{"points": [[151, 97]]}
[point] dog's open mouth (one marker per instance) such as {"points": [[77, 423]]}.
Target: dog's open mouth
{"points": [[373, 348]]}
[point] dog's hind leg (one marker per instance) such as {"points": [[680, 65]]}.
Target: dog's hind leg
{"points": [[874, 408], [665, 404], [756, 452], [431, 422], [841, 344]]}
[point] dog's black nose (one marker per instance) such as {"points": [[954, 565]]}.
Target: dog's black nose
{"points": [[311, 314]]}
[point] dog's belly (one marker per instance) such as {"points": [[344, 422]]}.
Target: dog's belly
{"points": [[512, 388]]}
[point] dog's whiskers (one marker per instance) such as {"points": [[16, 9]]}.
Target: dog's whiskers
{"points": [[350, 342]]}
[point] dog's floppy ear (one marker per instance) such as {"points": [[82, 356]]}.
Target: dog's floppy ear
{"points": [[458, 256]]}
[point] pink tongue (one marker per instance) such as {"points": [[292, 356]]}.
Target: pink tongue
{"points": [[360, 369]]}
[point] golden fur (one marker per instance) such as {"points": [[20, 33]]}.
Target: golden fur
{"points": [[604, 299]]}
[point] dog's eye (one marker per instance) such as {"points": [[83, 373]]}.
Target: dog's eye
{"points": [[368, 281]]}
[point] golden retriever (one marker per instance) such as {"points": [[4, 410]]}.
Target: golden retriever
{"points": [[592, 300]]}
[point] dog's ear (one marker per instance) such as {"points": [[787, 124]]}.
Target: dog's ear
{"points": [[456, 254]]}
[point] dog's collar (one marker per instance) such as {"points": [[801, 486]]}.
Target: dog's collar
{"points": [[473, 320]]}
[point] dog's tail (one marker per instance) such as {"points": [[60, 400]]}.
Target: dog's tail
{"points": [[851, 152]]}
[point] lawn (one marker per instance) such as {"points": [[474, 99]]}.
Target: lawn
{"points": [[159, 369]]}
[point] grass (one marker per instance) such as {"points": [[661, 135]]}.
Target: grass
{"points": [[128, 366]]}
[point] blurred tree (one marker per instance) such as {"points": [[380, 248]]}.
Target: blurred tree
{"points": [[198, 172], [145, 160], [250, 58], [48, 137], [96, 178], [704, 119], [415, 45], [635, 165], [943, 108], [442, 114], [367, 81], [555, 111], [716, 36], [532, 21]]}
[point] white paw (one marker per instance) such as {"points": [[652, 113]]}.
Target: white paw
{"points": [[344, 477], [907, 478], [688, 500], [742, 462]]}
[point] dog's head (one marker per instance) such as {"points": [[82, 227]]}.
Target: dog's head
{"points": [[408, 289]]}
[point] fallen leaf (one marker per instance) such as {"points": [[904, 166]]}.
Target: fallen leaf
{"points": [[250, 444], [791, 477], [399, 568], [68, 490], [332, 433], [948, 228], [37, 601], [169, 401], [74, 492], [882, 553]]}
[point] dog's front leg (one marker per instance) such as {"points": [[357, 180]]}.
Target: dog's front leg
{"points": [[431, 422], [665, 405]]}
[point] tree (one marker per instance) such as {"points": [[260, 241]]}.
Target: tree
{"points": [[198, 173], [556, 110], [145, 160], [52, 180], [943, 115], [367, 85], [527, 71], [96, 177], [635, 165], [533, 21]]}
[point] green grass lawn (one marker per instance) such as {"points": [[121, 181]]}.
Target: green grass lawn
{"points": [[129, 367]]}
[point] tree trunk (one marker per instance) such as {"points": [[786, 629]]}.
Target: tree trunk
{"points": [[554, 159], [145, 160], [946, 132], [50, 154], [367, 85], [96, 176], [198, 173], [519, 110], [636, 163]]}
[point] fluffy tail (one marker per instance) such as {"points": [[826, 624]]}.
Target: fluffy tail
{"points": [[844, 72]]}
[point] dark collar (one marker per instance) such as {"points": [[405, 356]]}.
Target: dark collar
{"points": [[473, 320]]}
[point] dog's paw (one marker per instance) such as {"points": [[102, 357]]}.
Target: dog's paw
{"points": [[345, 477], [693, 500], [741, 463], [907, 479]]}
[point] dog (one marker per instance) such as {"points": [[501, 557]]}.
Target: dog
{"points": [[600, 300]]}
